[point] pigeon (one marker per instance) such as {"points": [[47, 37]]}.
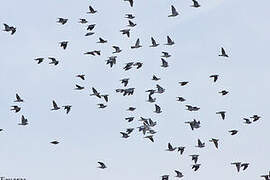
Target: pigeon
{"points": [[67, 108], [255, 118], [183, 83], [63, 44], [223, 92], [55, 107], [111, 60], [169, 41], [164, 63], [155, 78], [90, 27], [102, 165], [125, 31], [124, 135], [117, 49], [165, 54], [244, 165], [129, 119], [15, 109], [150, 137], [131, 24], [129, 16], [157, 109], [215, 141], [222, 113], [106, 97], [154, 43], [53, 61], [174, 12], [181, 99], [78, 87], [194, 157], [131, 109], [237, 164], [196, 167], [200, 144], [223, 53], [101, 106], [247, 121], [54, 142], [8, 28], [62, 21], [83, 21], [39, 60], [91, 10], [102, 41], [125, 81], [178, 174], [95, 93], [170, 147], [18, 98], [130, 2], [195, 4], [181, 149], [24, 121], [215, 77], [137, 44], [233, 132], [82, 76]]}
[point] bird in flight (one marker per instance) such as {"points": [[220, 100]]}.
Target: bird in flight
{"points": [[223, 53], [195, 4], [196, 166], [15, 108], [222, 113], [130, 2], [129, 16], [223, 92], [215, 141], [18, 98], [154, 43], [67, 108], [39, 60], [137, 44], [233, 132], [62, 21], [157, 109], [55, 107], [8, 28], [131, 24], [200, 144], [95, 93], [82, 76], [237, 164], [178, 174], [117, 49], [24, 121], [102, 165], [54, 142], [170, 147], [53, 61], [169, 41], [91, 10], [174, 12], [150, 137], [125, 31], [215, 77], [63, 44]]}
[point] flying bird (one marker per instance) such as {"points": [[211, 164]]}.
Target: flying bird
{"points": [[102, 41], [150, 137], [215, 141], [91, 10], [237, 164], [194, 157], [247, 121], [157, 109], [169, 41], [174, 12], [181, 99], [83, 21], [90, 27], [131, 24], [67, 108], [124, 135], [54, 142], [102, 165], [183, 83], [106, 97], [117, 49], [8, 28], [131, 109], [164, 63], [155, 78], [178, 174], [222, 113], [63, 44], [15, 108], [165, 54], [18, 98], [137, 44], [215, 77], [154, 43], [130, 2], [244, 165], [101, 106], [195, 4], [200, 144], [53, 61], [82, 76], [62, 21], [223, 92], [233, 132], [170, 147], [125, 31], [129, 16], [39, 60], [95, 93], [196, 166], [223, 53], [255, 118], [24, 121], [55, 107]]}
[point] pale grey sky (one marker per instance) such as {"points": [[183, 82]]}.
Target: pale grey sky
{"points": [[89, 134]]}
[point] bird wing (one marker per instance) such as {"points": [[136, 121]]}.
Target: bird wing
{"points": [[137, 42], [54, 104]]}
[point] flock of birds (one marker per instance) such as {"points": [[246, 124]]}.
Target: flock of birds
{"points": [[147, 127]]}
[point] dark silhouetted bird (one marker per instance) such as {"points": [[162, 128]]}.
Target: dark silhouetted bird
{"points": [[78, 87], [90, 27], [215, 141], [102, 165], [82, 76], [62, 21], [130, 2], [39, 60], [164, 63], [102, 41], [101, 106], [83, 21], [137, 44], [117, 49], [222, 113], [237, 164], [124, 135], [215, 77], [150, 137], [8, 28], [125, 31], [223, 92], [157, 109], [53, 61], [181, 99], [183, 83], [55, 107], [170, 147], [195, 4], [95, 93], [91, 10], [131, 24], [54, 142], [18, 98], [67, 108], [155, 78], [154, 43], [15, 108], [169, 41], [178, 174], [129, 16], [233, 132], [174, 12], [24, 121], [196, 166], [63, 44], [223, 53]]}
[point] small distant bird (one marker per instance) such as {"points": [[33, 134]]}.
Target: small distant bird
{"points": [[125, 31], [117, 49], [125, 81], [129, 130], [194, 124], [157, 109], [255, 118], [131, 109], [178, 174], [244, 165], [138, 64], [183, 83], [39, 60], [63, 44], [130, 2], [54, 142], [67, 108], [237, 164], [150, 99], [89, 33], [192, 108], [90, 27], [170, 147], [124, 135], [102, 165], [129, 119], [24, 121], [83, 21], [55, 107], [102, 41], [131, 24], [154, 43], [181, 99], [194, 157], [155, 78], [266, 177], [95, 93], [223, 92], [222, 113], [137, 44], [15, 108], [18, 98], [82, 76], [62, 21], [196, 166], [195, 4], [129, 16], [247, 121], [215, 141], [8, 28], [233, 132], [165, 177], [169, 41], [91, 10], [165, 54], [223, 53], [164, 63], [101, 106], [53, 61], [215, 77], [150, 137], [174, 12], [200, 144], [93, 53], [160, 89], [106, 97], [181, 149], [128, 66]]}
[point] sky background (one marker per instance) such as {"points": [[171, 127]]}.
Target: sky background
{"points": [[88, 134]]}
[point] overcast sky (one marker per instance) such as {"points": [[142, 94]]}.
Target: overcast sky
{"points": [[88, 134]]}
